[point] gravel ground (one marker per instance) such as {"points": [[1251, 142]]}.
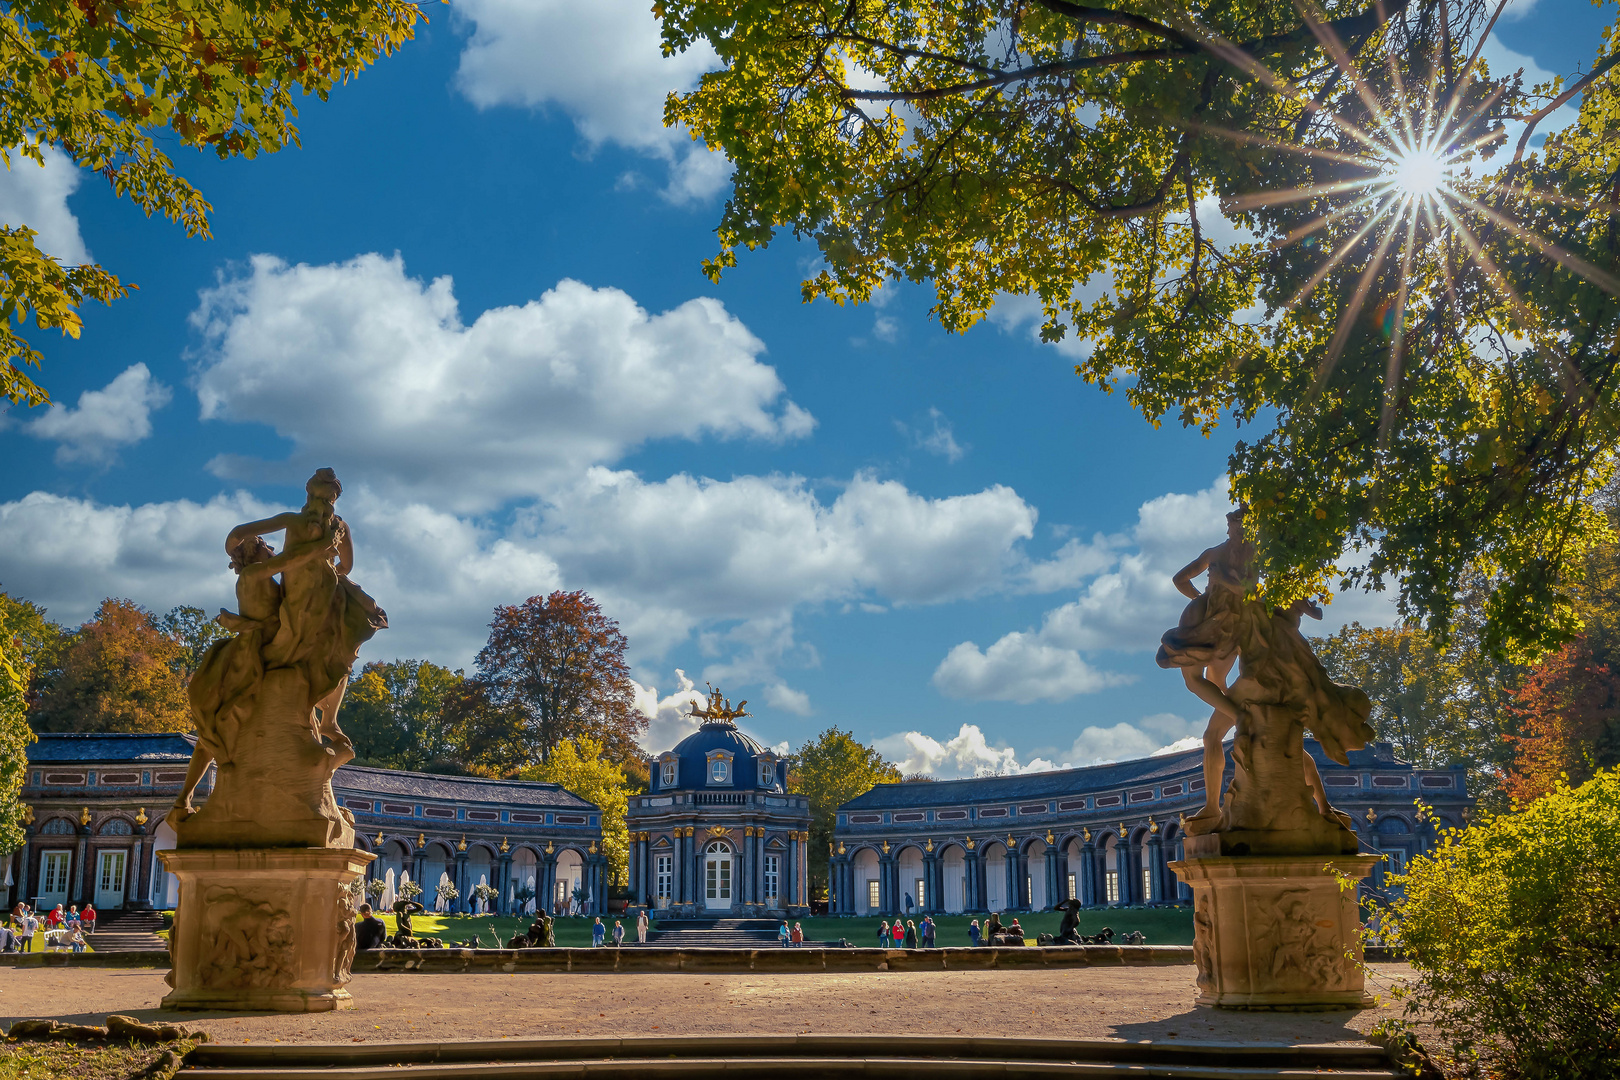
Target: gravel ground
{"points": [[1109, 1003]]}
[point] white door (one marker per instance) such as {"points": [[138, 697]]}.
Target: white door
{"points": [[717, 877], [110, 880], [53, 878]]}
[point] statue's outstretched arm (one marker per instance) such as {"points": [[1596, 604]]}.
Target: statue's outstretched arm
{"points": [[1184, 576], [296, 555], [258, 528], [345, 548]]}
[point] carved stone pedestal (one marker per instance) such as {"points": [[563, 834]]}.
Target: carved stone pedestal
{"points": [[1276, 931], [263, 928]]}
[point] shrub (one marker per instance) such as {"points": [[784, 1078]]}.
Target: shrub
{"points": [[1514, 928]]}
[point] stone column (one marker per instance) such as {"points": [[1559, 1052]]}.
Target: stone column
{"points": [[972, 888], [463, 901], [1156, 866], [81, 868], [930, 883], [25, 857], [545, 886], [417, 860], [1053, 892], [503, 882], [1087, 876]]}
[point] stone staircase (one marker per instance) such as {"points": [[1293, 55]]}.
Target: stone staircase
{"points": [[127, 931], [719, 934], [902, 1057]]}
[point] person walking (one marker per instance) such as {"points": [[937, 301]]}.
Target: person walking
{"points": [[883, 934], [973, 933], [798, 935], [927, 932], [783, 934], [898, 931], [598, 933], [911, 934], [618, 932], [641, 928]]}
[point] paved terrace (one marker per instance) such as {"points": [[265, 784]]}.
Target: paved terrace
{"points": [[1099, 1003]]}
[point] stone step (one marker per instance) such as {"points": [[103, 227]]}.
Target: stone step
{"points": [[127, 931], [806, 1056]]}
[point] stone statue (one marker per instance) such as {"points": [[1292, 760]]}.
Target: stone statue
{"points": [[265, 701], [1273, 928], [718, 709], [1069, 931], [1276, 804], [267, 865]]}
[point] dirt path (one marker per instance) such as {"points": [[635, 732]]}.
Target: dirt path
{"points": [[1122, 1003]]}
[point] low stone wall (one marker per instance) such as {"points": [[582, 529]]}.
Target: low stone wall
{"points": [[652, 958]]}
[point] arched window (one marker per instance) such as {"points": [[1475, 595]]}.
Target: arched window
{"points": [[116, 827], [767, 774], [719, 770], [60, 826], [669, 773]]}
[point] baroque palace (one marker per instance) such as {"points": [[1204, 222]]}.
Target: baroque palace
{"points": [[95, 807], [1102, 834]]}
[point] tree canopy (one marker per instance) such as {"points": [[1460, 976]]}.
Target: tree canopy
{"points": [[120, 672], [583, 767], [1294, 217], [394, 713], [830, 769], [105, 81], [553, 671]]}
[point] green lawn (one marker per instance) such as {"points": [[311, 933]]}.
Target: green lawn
{"points": [[1162, 926]]}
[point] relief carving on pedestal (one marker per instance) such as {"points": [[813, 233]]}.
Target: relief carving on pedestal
{"points": [[244, 942], [1296, 941], [1203, 930], [344, 958]]}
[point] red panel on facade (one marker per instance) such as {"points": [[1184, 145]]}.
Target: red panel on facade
{"points": [[114, 778]]}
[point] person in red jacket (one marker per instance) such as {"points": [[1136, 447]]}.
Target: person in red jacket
{"points": [[55, 919], [88, 918]]}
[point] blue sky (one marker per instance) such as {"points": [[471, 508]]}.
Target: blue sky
{"points": [[475, 292]]}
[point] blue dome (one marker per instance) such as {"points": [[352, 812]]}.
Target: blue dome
{"points": [[742, 771]]}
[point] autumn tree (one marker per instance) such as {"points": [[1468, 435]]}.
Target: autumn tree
{"points": [[195, 631], [832, 769], [584, 767], [17, 640], [1300, 217], [394, 713], [1569, 711], [107, 82], [118, 674], [553, 672]]}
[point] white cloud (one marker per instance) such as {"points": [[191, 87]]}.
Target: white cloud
{"points": [[967, 754], [602, 65], [373, 372], [669, 719], [886, 328], [938, 439], [36, 196], [1156, 734], [119, 414], [1020, 668]]}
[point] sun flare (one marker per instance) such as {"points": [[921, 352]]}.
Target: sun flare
{"points": [[1418, 172]]}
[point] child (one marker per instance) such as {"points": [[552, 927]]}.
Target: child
{"points": [[973, 933]]}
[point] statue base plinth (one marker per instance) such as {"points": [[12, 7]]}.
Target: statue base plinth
{"points": [[1276, 931], [1323, 837], [266, 929]]}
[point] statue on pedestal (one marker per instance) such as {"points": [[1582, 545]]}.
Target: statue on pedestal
{"points": [[1273, 929], [269, 857]]}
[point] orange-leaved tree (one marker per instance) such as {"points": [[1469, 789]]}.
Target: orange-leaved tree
{"points": [[120, 673], [1569, 712]]}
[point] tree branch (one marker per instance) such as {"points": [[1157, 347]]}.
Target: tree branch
{"points": [[1591, 77]]}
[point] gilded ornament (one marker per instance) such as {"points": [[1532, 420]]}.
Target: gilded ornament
{"points": [[28, 814], [84, 816], [885, 847], [1011, 843], [1086, 834], [930, 845], [140, 816], [1153, 826], [421, 840], [1372, 815], [593, 847], [1050, 839], [970, 844], [463, 845], [551, 849], [840, 847], [505, 847], [379, 840]]}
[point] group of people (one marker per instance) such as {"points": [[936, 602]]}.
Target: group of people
{"points": [[791, 937], [61, 927], [599, 931], [907, 935]]}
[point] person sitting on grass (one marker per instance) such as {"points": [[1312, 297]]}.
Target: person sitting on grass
{"points": [[370, 931]]}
